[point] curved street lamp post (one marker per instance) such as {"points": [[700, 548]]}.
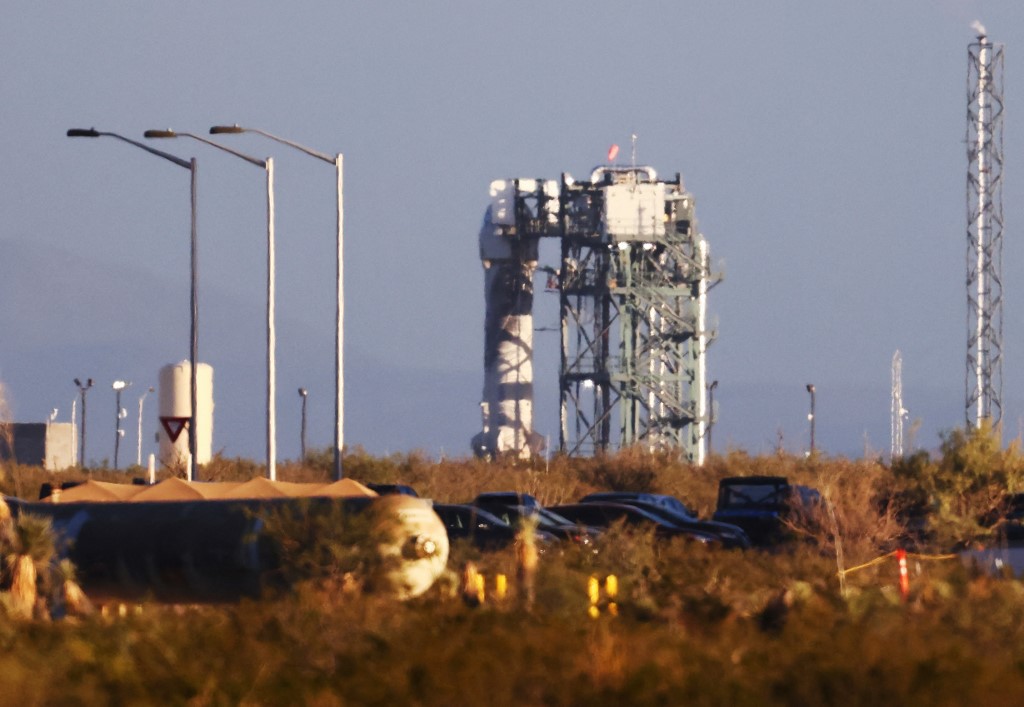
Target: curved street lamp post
{"points": [[339, 340], [138, 452], [303, 393], [193, 169], [268, 166]]}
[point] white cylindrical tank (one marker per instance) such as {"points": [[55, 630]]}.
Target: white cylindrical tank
{"points": [[175, 404]]}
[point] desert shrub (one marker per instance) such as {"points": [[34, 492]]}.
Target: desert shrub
{"points": [[857, 519], [968, 482], [325, 544], [632, 469]]}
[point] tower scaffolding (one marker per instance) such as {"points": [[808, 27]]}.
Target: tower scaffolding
{"points": [[632, 284], [984, 375]]}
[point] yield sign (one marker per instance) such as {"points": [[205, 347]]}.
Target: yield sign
{"points": [[173, 426]]}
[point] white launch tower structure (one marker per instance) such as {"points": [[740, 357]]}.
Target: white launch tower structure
{"points": [[632, 282]]}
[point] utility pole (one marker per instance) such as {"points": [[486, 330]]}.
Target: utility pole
{"points": [[83, 389], [303, 393], [120, 413], [810, 415]]}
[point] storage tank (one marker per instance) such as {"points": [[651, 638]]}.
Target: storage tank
{"points": [[175, 405]]}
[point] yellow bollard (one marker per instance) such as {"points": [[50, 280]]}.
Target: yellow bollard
{"points": [[611, 588], [594, 594], [480, 588], [500, 587]]}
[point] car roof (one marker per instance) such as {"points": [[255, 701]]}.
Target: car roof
{"points": [[754, 480]]}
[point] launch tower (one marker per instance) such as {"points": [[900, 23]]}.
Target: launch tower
{"points": [[632, 284]]}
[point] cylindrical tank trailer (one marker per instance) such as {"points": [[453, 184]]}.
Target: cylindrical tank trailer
{"points": [[220, 550]]}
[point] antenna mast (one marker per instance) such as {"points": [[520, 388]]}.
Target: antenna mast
{"points": [[898, 412], [984, 376]]}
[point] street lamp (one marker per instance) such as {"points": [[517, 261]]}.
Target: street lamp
{"points": [[121, 413], [193, 355], [138, 452], [268, 166], [810, 415], [82, 389], [339, 329], [711, 410], [303, 393]]}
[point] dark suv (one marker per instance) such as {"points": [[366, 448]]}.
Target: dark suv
{"points": [[761, 505]]}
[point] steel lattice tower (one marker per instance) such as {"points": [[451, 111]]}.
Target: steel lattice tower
{"points": [[633, 290], [984, 376], [632, 284]]}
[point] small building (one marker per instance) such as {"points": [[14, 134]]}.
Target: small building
{"points": [[49, 445]]}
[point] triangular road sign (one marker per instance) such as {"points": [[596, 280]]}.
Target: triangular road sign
{"points": [[173, 426]]}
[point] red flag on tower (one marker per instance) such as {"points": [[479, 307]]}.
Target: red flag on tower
{"points": [[613, 152]]}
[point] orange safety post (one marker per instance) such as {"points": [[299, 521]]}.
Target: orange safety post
{"points": [[901, 559]]}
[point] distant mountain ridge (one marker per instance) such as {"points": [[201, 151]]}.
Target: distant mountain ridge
{"points": [[69, 316]]}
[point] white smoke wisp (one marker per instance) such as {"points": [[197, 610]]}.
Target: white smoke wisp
{"points": [[979, 28]]}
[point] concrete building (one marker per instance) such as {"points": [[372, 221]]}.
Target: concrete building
{"points": [[49, 445]]}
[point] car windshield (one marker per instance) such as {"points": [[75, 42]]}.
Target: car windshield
{"points": [[753, 495], [553, 518]]}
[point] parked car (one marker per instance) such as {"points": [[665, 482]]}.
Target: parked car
{"points": [[550, 522], [485, 530], [761, 505], [389, 489], [603, 515], [731, 536], [661, 500], [504, 499], [1007, 520]]}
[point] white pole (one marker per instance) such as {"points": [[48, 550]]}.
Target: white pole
{"points": [[271, 334], [152, 469], [138, 451], [981, 316], [339, 344], [74, 433], [702, 345]]}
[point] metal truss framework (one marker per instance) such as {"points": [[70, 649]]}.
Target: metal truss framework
{"points": [[632, 286], [633, 336], [984, 233]]}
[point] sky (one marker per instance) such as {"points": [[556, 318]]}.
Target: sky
{"points": [[823, 142]]}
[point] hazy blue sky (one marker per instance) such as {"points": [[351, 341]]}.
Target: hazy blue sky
{"points": [[824, 143]]}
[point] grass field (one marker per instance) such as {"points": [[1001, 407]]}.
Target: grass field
{"points": [[690, 625]]}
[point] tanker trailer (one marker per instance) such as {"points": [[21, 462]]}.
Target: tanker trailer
{"points": [[222, 550]]}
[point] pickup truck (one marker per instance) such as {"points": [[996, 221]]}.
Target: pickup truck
{"points": [[761, 505]]}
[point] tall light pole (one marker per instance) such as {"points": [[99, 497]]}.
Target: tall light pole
{"points": [[193, 354], [138, 452], [118, 386], [268, 166], [303, 393], [83, 388], [339, 329], [810, 415]]}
